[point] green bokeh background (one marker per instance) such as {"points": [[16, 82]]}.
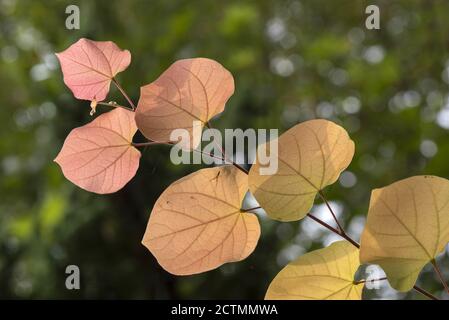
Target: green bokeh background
{"points": [[291, 60]]}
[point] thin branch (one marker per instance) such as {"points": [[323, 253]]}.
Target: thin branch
{"points": [[439, 274], [331, 211], [119, 87]]}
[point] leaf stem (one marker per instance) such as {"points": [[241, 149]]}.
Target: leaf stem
{"points": [[342, 231], [424, 292], [239, 167], [149, 143], [114, 105], [439, 274], [155, 143], [119, 87], [372, 280], [210, 155], [223, 152], [250, 209]]}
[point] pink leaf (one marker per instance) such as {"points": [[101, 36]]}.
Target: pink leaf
{"points": [[89, 66], [189, 90], [99, 157]]}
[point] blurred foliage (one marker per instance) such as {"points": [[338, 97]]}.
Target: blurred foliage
{"points": [[292, 61]]}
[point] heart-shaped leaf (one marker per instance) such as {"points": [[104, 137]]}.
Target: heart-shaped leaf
{"points": [[89, 66], [197, 225], [311, 156], [407, 227], [99, 157], [325, 274], [189, 90]]}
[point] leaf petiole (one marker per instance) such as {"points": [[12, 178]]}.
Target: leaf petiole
{"points": [[113, 104], [439, 274], [371, 280], [119, 87]]}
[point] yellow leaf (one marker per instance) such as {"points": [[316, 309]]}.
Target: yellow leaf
{"points": [[197, 224], [325, 274], [407, 227], [311, 156]]}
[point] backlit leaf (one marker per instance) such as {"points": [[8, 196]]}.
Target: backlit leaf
{"points": [[89, 66], [196, 225], [99, 157], [189, 90], [325, 274], [408, 226], [311, 156]]}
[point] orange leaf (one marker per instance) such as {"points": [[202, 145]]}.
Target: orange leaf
{"points": [[189, 90], [196, 225], [99, 157], [89, 66]]}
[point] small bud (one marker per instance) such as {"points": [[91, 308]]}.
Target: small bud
{"points": [[93, 106]]}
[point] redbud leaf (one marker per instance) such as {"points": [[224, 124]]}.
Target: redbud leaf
{"points": [[196, 224], [311, 156], [324, 274], [99, 157], [89, 66], [407, 227], [189, 90]]}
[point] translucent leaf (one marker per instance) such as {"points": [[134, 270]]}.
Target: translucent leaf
{"points": [[89, 66], [311, 156], [196, 225], [407, 227], [99, 157], [325, 274], [189, 90]]}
